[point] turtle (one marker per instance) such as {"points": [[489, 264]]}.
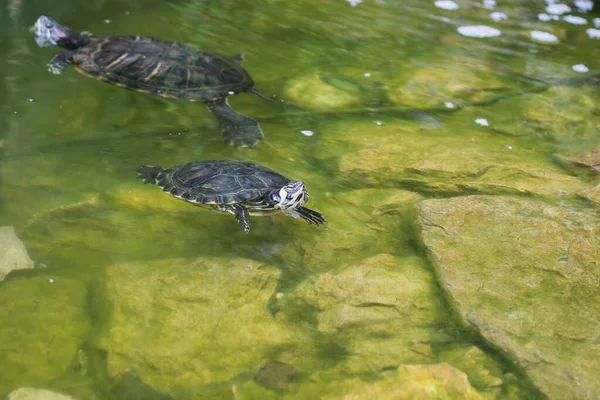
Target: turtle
{"points": [[159, 67], [233, 187]]}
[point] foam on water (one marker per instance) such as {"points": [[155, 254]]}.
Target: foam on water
{"points": [[478, 31]]}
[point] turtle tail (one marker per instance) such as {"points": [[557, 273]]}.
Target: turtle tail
{"points": [[149, 173]]}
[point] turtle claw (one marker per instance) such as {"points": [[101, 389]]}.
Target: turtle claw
{"points": [[242, 136], [56, 69], [59, 62]]}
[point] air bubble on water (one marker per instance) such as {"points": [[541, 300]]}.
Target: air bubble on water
{"points": [[482, 122], [575, 20], [15, 112], [596, 22], [107, 21], [231, 92], [584, 5], [449, 104], [580, 68], [446, 5], [50, 280], [558, 9], [354, 3], [593, 33], [547, 17], [498, 16], [127, 13], [508, 146], [489, 4], [542, 36], [478, 31], [307, 133], [31, 100], [378, 123], [367, 74]]}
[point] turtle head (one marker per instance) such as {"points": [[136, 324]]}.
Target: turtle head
{"points": [[48, 32], [290, 196]]}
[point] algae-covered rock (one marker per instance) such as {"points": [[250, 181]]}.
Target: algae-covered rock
{"points": [[44, 322], [37, 394], [589, 162], [361, 219], [275, 375], [432, 160], [13, 254], [565, 114], [482, 370], [313, 92], [407, 382], [592, 194], [457, 79], [436, 381], [189, 323], [28, 393], [375, 309], [525, 275]]}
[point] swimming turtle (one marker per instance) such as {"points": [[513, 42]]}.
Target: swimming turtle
{"points": [[159, 67], [234, 187]]}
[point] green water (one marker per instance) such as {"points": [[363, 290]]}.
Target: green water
{"points": [[153, 298]]}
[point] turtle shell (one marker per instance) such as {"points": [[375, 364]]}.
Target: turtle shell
{"points": [[220, 182], [161, 67]]}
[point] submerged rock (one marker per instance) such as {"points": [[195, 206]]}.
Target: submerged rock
{"points": [[432, 160], [426, 84], [28, 393], [13, 254], [376, 310], [564, 113], [189, 323], [367, 222], [44, 322], [592, 194], [434, 381], [589, 162], [313, 92], [525, 275], [275, 375]]}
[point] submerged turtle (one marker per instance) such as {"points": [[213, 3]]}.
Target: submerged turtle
{"points": [[239, 188], [167, 69]]}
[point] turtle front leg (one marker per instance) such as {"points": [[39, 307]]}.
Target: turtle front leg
{"points": [[240, 212], [311, 216], [60, 62], [243, 217], [238, 129]]}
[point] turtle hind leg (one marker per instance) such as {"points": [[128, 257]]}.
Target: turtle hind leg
{"points": [[311, 216], [149, 173], [60, 62], [238, 129]]}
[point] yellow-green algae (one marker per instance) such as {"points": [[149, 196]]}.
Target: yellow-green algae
{"points": [[69, 188], [525, 275], [44, 321]]}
